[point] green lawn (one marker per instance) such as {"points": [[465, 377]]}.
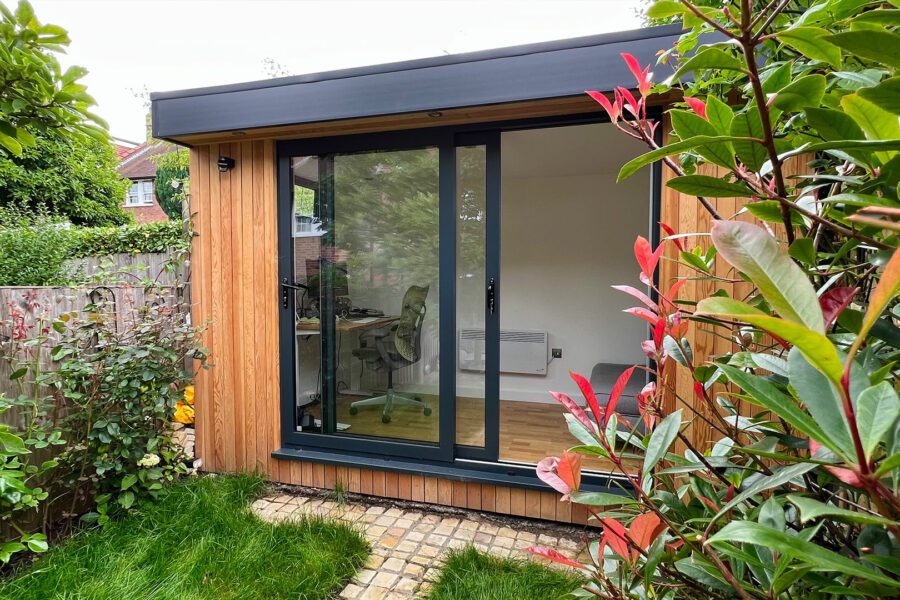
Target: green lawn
{"points": [[198, 542], [471, 575]]}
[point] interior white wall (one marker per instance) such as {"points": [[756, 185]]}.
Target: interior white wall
{"points": [[567, 234]]}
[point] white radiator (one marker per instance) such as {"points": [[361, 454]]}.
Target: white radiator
{"points": [[520, 351]]}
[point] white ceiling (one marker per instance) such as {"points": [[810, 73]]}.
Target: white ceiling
{"points": [[560, 151]]}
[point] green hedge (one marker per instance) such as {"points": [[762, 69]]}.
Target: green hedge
{"points": [[129, 239], [34, 249]]}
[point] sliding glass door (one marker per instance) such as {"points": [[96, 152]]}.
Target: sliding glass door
{"points": [[364, 289]]}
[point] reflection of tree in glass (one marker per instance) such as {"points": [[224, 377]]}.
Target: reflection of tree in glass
{"points": [[386, 217], [470, 233]]}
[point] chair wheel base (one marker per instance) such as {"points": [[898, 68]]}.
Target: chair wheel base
{"points": [[427, 411], [353, 410], [385, 418]]}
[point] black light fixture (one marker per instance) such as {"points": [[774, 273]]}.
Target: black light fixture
{"points": [[225, 163]]}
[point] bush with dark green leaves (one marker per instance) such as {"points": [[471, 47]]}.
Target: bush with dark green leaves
{"points": [[130, 239], [172, 174], [33, 250]]}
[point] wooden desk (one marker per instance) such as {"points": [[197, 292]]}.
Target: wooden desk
{"points": [[347, 325]]}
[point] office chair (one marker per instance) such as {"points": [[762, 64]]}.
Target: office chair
{"points": [[401, 350]]}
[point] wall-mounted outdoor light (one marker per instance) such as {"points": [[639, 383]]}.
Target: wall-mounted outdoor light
{"points": [[225, 163]]}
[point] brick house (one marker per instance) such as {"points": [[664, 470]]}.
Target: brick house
{"points": [[136, 165]]}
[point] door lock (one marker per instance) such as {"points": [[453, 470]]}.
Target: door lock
{"points": [[285, 287]]}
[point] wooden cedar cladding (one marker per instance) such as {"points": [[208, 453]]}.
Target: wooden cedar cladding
{"points": [[234, 261], [236, 292]]}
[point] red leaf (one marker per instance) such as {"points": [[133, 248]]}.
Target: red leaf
{"points": [[620, 384], [698, 389], [588, 392], [555, 556], [673, 291], [614, 536], [547, 471], [642, 77], [569, 469], [834, 301], [573, 408], [848, 476], [634, 106], [646, 257], [643, 313], [698, 106], [644, 529], [659, 332], [671, 232], [611, 109], [709, 503], [637, 294]]}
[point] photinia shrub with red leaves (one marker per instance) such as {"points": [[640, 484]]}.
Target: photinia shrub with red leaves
{"points": [[795, 490]]}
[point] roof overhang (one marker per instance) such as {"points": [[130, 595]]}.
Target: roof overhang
{"points": [[520, 74]]}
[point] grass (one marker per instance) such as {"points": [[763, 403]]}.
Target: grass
{"points": [[198, 542], [471, 575]]}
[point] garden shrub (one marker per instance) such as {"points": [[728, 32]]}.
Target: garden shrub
{"points": [[797, 494], [129, 239], [33, 250], [101, 385]]}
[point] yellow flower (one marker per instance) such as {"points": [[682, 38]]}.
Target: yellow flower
{"points": [[189, 395], [184, 413]]}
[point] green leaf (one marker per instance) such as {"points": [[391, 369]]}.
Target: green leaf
{"points": [[664, 9], [877, 409], [710, 58], [855, 80], [12, 443], [822, 400], [600, 499], [813, 509], [817, 557], [887, 289], [660, 440], [128, 481], [770, 212], [748, 124], [878, 124], [861, 200], [719, 114], [814, 345], [126, 500], [887, 465], [833, 124], [755, 253], [11, 144], [779, 477], [885, 95], [688, 125], [631, 167], [880, 46], [803, 250], [812, 43], [767, 395], [802, 92], [705, 185]]}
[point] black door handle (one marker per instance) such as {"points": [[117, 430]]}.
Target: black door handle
{"points": [[491, 296], [285, 287]]}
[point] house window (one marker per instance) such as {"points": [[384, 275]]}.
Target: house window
{"points": [[306, 224], [140, 193]]}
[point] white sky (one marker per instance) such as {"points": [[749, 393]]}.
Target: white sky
{"points": [[132, 45]]}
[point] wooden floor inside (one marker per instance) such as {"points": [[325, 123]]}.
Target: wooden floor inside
{"points": [[529, 431]]}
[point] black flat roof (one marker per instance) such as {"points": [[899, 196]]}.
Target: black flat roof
{"points": [[518, 73]]}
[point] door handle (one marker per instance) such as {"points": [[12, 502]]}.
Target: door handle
{"points": [[285, 291], [491, 296]]}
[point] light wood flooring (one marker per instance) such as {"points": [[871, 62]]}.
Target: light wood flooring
{"points": [[529, 431]]}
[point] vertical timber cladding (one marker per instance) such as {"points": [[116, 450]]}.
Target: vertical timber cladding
{"points": [[685, 214], [235, 272]]}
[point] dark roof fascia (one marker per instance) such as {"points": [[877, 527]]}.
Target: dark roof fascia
{"points": [[544, 70]]}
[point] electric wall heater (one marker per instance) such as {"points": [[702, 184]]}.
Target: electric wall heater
{"points": [[520, 351]]}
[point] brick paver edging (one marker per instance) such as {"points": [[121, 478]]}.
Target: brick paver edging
{"points": [[409, 543]]}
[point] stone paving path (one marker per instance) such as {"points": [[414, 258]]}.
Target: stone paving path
{"points": [[410, 541]]}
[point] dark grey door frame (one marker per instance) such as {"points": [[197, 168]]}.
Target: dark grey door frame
{"points": [[447, 139]]}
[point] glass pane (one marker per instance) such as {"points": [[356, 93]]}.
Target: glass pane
{"points": [[306, 251], [567, 229], [470, 294], [379, 257]]}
